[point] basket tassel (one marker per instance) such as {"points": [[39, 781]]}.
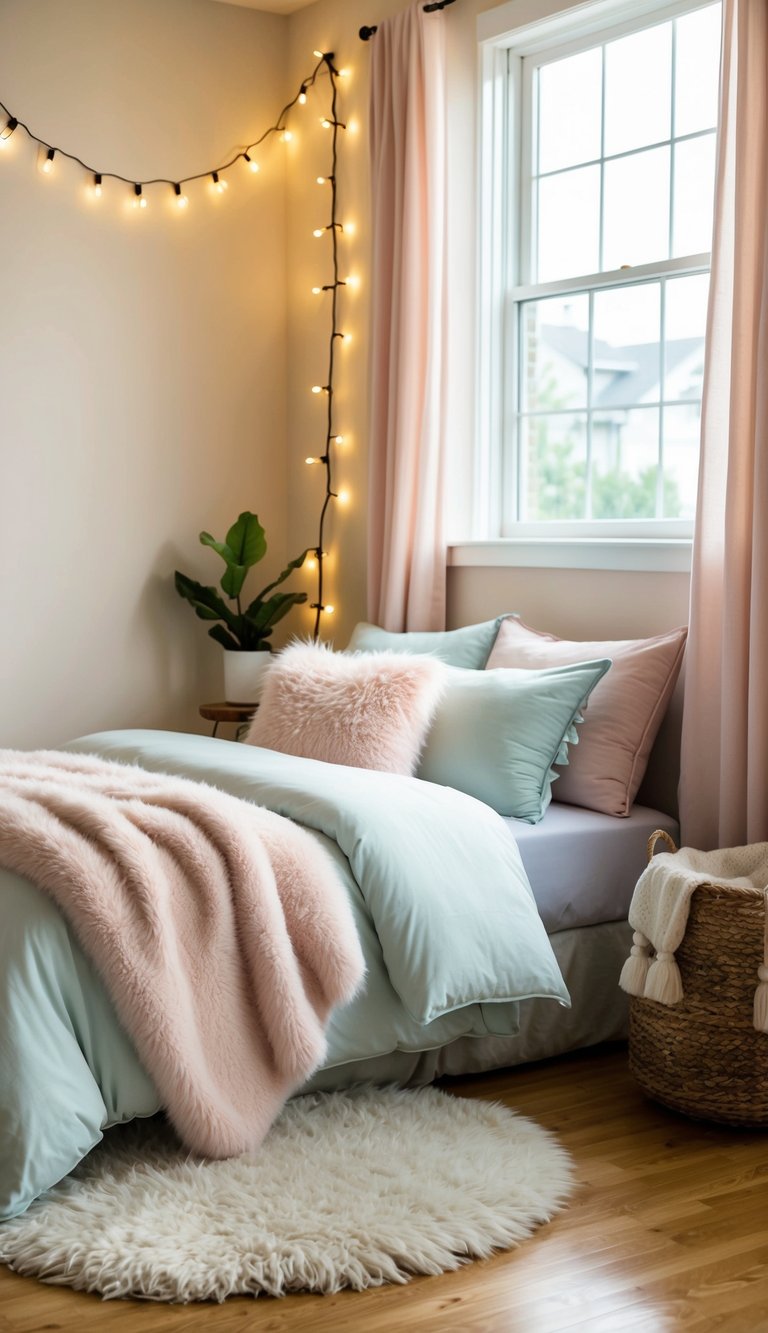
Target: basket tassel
{"points": [[663, 982], [635, 970]]}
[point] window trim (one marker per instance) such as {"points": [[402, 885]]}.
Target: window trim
{"points": [[509, 35]]}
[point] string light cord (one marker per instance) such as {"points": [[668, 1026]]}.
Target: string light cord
{"points": [[14, 124], [326, 458]]}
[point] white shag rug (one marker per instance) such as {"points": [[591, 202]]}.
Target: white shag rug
{"points": [[350, 1189]]}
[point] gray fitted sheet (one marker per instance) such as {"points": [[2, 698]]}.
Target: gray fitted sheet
{"points": [[583, 866]]}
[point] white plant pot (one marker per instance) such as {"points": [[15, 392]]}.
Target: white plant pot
{"points": [[244, 676]]}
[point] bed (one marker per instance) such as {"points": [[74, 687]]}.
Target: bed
{"points": [[69, 1071]]}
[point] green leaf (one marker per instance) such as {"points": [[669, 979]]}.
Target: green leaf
{"points": [[265, 616], [245, 546], [205, 601], [295, 564], [247, 540], [222, 636]]}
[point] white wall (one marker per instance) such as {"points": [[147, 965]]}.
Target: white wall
{"points": [[142, 356]]}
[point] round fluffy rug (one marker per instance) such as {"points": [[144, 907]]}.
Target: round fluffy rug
{"points": [[350, 1189]]}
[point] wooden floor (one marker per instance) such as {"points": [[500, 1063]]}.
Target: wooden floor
{"points": [[668, 1230]]}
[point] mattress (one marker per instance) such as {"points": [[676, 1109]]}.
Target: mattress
{"points": [[583, 866]]}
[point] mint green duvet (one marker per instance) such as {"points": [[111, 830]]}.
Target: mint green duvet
{"points": [[448, 924]]}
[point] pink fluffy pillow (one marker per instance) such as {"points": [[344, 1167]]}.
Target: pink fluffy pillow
{"points": [[366, 710]]}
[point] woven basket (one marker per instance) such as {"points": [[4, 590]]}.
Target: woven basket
{"points": [[702, 1056]]}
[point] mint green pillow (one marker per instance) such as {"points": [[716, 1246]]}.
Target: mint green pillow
{"points": [[496, 734], [469, 647]]}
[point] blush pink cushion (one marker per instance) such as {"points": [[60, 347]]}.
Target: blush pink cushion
{"points": [[366, 710], [625, 710]]}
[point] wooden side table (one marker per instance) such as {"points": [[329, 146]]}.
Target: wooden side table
{"points": [[239, 714]]}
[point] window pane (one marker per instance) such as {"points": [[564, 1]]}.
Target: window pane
{"points": [[638, 89], [555, 338], [626, 355], [697, 71], [554, 466], [686, 321], [694, 196], [681, 459], [569, 224], [625, 453], [636, 209], [569, 111]]}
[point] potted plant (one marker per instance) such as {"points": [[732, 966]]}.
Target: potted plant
{"points": [[243, 633]]}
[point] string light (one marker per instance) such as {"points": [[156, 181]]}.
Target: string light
{"points": [[46, 162], [329, 122]]}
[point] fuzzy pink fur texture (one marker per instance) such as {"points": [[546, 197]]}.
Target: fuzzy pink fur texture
{"points": [[220, 929], [367, 710]]}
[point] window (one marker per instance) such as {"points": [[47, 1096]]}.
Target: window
{"points": [[604, 269]]}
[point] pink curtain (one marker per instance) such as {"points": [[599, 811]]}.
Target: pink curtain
{"points": [[406, 549], [724, 779]]}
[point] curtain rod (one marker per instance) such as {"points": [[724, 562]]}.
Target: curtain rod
{"points": [[367, 32]]}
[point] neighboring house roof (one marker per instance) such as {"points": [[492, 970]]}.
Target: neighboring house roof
{"points": [[633, 371]]}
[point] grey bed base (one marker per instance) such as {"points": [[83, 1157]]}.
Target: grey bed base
{"points": [[590, 959]]}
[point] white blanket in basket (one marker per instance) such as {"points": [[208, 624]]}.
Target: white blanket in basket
{"points": [[659, 914]]}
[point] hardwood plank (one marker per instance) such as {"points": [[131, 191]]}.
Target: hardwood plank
{"points": [[667, 1231]]}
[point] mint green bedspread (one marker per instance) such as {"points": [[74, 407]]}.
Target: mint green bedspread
{"points": [[449, 928]]}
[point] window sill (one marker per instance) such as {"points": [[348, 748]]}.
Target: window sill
{"points": [[672, 555]]}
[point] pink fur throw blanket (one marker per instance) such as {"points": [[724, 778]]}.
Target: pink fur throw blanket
{"points": [[220, 929]]}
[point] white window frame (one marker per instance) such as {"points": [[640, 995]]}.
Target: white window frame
{"points": [[509, 36]]}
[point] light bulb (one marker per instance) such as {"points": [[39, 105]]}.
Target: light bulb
{"points": [[319, 55], [317, 388], [352, 281], [181, 199], [8, 131], [321, 180], [318, 231], [338, 439], [352, 126], [344, 73], [139, 201], [48, 163], [311, 564], [302, 95], [287, 136], [312, 460], [326, 123], [97, 184], [316, 291], [350, 228], [252, 165], [343, 497], [218, 184], [328, 609]]}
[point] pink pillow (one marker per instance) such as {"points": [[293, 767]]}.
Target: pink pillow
{"points": [[367, 710], [625, 711]]}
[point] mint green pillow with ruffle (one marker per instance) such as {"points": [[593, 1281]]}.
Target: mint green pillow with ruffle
{"points": [[498, 734]]}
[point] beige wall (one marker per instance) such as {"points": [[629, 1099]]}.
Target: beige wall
{"points": [[145, 386], [142, 357]]}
